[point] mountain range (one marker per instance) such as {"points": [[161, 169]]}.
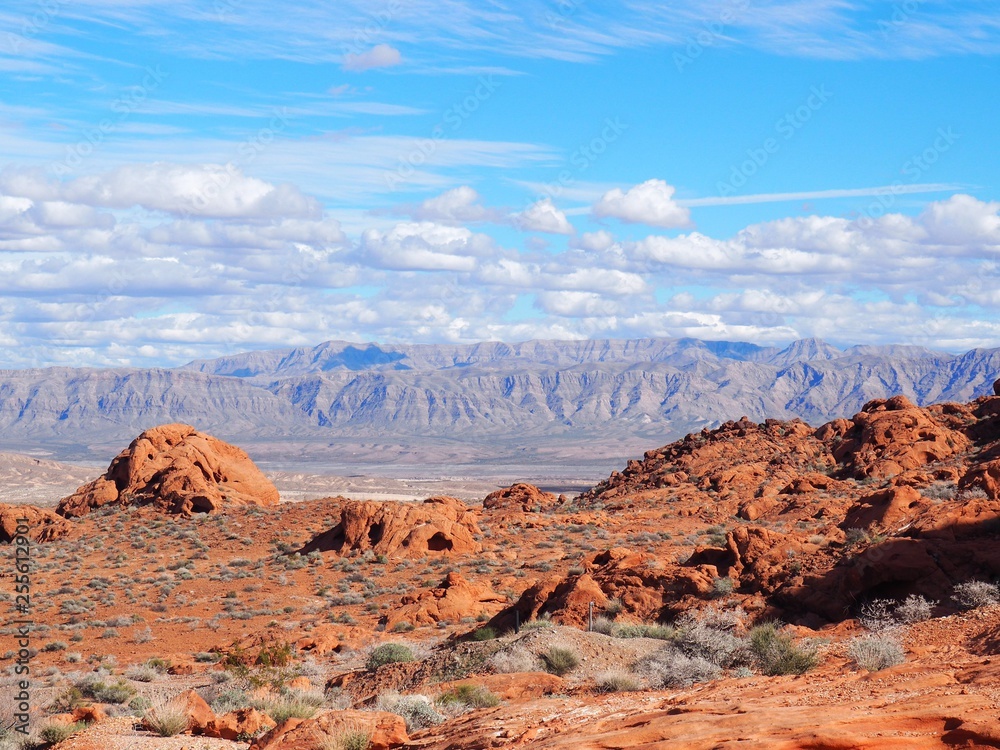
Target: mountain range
{"points": [[487, 401]]}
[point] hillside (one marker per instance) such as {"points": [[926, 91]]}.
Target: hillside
{"points": [[556, 401]]}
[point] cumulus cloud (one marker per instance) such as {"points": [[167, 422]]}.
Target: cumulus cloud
{"points": [[205, 190], [650, 203], [379, 56], [595, 242], [455, 206], [543, 216], [424, 246]]}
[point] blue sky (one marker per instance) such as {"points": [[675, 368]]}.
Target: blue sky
{"points": [[186, 179]]}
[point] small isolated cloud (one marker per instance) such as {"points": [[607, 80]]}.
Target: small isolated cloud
{"points": [[379, 56], [543, 216], [454, 206], [651, 203]]}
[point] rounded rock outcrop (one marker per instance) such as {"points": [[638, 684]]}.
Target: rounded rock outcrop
{"points": [[179, 470]]}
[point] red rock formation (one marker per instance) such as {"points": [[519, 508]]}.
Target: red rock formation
{"points": [[246, 722], [454, 599], [43, 524], [890, 436], [178, 469], [522, 497], [439, 525], [387, 731]]}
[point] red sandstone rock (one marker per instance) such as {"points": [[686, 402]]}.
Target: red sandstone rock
{"points": [[521, 497], [248, 722], [43, 525], [178, 469], [387, 731], [454, 599], [439, 525]]}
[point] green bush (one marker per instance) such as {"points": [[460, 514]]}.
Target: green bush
{"points": [[484, 634], [56, 733], [775, 653], [473, 696], [560, 661], [388, 653]]}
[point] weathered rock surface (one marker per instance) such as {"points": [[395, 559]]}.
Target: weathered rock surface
{"points": [[179, 470], [523, 497], [43, 525], [454, 599], [437, 526], [386, 730]]}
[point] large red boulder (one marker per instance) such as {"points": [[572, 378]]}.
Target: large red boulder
{"points": [[179, 470], [439, 525]]}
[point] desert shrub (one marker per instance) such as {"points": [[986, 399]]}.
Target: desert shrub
{"points": [[485, 633], [516, 659], [230, 699], [296, 704], [776, 653], [560, 660], [915, 609], [617, 682], [166, 719], [722, 587], [603, 625], [93, 686], [939, 491], [141, 673], [388, 653], [56, 733], [542, 622], [878, 615], [856, 536], [670, 667], [349, 739], [973, 493], [416, 710], [876, 651], [402, 627], [975, 594], [644, 630], [614, 607], [473, 696], [709, 636]]}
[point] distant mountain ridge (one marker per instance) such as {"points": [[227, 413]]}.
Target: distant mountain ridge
{"points": [[546, 391]]}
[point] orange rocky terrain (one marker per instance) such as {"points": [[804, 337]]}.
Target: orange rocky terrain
{"points": [[755, 586]]}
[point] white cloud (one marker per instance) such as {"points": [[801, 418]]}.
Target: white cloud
{"points": [[543, 216], [424, 246], [457, 205], [379, 56], [595, 242], [650, 203]]}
